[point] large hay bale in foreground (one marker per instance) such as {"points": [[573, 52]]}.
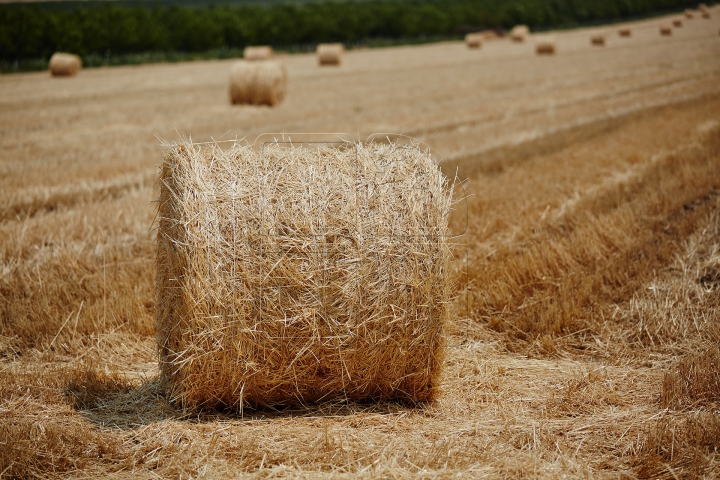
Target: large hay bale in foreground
{"points": [[330, 53], [64, 64], [519, 33], [260, 52], [625, 32], [257, 83], [665, 30], [598, 40], [296, 274], [474, 40], [545, 47]]}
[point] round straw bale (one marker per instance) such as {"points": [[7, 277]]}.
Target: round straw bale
{"points": [[689, 14], [65, 64], [706, 15], [519, 33], [257, 83], [677, 23], [262, 52], [474, 40], [598, 40], [545, 47], [665, 30], [330, 53], [702, 7], [491, 34], [290, 274], [625, 32]]}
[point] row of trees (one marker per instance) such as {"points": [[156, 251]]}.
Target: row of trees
{"points": [[32, 32]]}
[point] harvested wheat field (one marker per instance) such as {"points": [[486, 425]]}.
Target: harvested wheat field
{"points": [[582, 338]]}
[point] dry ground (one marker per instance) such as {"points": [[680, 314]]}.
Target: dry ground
{"points": [[593, 259]]}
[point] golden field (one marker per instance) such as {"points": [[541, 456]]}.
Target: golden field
{"points": [[586, 324]]}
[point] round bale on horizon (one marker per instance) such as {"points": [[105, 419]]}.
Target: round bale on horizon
{"points": [[257, 83], [65, 64], [330, 53], [260, 52]]}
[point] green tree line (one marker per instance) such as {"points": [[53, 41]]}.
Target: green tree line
{"points": [[34, 32]]}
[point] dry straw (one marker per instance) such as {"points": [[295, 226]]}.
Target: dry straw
{"points": [[262, 52], [295, 274], [545, 47], [598, 40], [330, 53], [257, 83], [65, 64], [474, 40], [625, 32], [665, 30], [519, 33]]}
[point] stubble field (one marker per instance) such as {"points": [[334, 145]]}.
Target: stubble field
{"points": [[586, 326]]}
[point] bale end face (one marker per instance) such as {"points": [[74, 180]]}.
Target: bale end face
{"points": [[262, 52], [64, 64], [330, 54], [294, 274], [625, 32], [257, 83]]}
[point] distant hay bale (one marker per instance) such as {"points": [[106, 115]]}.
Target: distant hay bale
{"points": [[519, 33], [330, 53], [702, 8], [491, 34], [706, 15], [301, 273], [625, 32], [65, 64], [689, 14], [261, 52], [545, 47], [474, 40], [677, 23], [257, 83], [665, 30], [598, 40]]}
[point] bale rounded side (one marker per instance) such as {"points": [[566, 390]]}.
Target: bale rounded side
{"points": [[330, 53], [291, 274], [259, 52], [545, 47], [65, 64], [257, 83], [597, 40]]}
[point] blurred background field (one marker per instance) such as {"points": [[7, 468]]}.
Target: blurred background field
{"points": [[132, 32]]}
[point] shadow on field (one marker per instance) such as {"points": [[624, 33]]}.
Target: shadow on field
{"points": [[111, 401]]}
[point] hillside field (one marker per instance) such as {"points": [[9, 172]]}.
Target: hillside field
{"points": [[585, 332]]}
